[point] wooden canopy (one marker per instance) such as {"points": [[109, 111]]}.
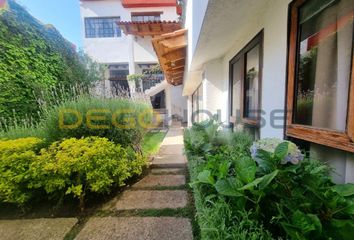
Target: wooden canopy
{"points": [[171, 49], [151, 28]]}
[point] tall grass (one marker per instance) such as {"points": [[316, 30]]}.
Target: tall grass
{"points": [[61, 102]]}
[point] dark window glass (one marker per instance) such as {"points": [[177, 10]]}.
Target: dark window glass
{"points": [[146, 17], [102, 27], [251, 88], [324, 55], [118, 74]]}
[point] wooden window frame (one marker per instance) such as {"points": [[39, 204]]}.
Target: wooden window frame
{"points": [[331, 138], [257, 40]]}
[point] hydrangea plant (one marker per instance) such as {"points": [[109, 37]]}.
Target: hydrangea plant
{"points": [[290, 154]]}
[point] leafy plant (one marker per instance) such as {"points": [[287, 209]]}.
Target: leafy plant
{"points": [[33, 59], [78, 166], [290, 196], [16, 157]]}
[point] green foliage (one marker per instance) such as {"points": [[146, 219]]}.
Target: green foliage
{"points": [[120, 120], [33, 58], [76, 166], [16, 157], [281, 193], [152, 141]]}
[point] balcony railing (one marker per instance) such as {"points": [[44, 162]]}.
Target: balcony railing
{"points": [[152, 80]]}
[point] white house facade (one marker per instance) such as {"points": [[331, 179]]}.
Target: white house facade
{"points": [[276, 68], [125, 53]]}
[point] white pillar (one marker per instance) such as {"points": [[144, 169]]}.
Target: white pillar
{"points": [[168, 104], [131, 54], [189, 110]]}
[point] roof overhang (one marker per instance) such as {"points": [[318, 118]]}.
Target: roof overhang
{"points": [[151, 28], [148, 3], [171, 49]]}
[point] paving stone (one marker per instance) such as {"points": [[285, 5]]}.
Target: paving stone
{"points": [[152, 199], [36, 229], [171, 149], [168, 170], [161, 181], [136, 228], [172, 161]]}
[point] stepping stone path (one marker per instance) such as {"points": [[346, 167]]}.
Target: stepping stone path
{"points": [[163, 188], [36, 229]]}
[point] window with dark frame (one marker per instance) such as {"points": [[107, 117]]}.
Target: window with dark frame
{"points": [[245, 83], [320, 91], [102, 27], [146, 16]]}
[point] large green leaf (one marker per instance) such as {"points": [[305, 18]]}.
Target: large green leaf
{"points": [[306, 222], [263, 182], [224, 167], [206, 177], [344, 190], [246, 169], [281, 150], [229, 187], [267, 179], [265, 160], [341, 229]]}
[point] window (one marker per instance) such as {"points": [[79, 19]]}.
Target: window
{"points": [[320, 98], [146, 16], [245, 83], [118, 74], [102, 27]]}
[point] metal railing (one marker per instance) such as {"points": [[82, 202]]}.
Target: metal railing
{"points": [[150, 81]]}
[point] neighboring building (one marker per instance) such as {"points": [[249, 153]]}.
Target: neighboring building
{"points": [[118, 33], [276, 68]]}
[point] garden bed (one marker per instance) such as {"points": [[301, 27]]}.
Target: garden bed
{"points": [[263, 190]]}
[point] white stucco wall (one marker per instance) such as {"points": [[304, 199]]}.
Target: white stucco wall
{"points": [[216, 89], [272, 17], [119, 50], [143, 50], [178, 103], [195, 12]]}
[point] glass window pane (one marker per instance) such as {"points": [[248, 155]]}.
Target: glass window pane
{"points": [[102, 27], [324, 63], [251, 83], [237, 76]]}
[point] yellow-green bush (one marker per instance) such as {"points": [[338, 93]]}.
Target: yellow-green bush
{"points": [[72, 167], [16, 158], [79, 166]]}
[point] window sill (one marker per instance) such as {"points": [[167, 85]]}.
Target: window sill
{"points": [[330, 138]]}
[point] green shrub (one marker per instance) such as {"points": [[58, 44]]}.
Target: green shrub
{"points": [[16, 157], [79, 166], [34, 58], [275, 187], [126, 131]]}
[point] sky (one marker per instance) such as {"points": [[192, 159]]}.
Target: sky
{"points": [[63, 14]]}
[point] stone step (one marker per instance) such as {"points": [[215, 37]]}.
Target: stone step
{"points": [[161, 181], [167, 171], [169, 161], [136, 228], [173, 149], [152, 199], [36, 229]]}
